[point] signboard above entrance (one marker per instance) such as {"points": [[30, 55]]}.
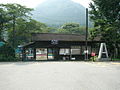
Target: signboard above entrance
{"points": [[54, 42]]}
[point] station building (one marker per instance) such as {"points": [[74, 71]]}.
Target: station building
{"points": [[53, 46]]}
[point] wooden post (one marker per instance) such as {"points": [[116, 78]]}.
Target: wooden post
{"points": [[91, 49], [47, 53], [34, 53], [23, 54], [70, 53], [81, 50]]}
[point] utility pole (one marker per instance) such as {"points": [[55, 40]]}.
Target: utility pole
{"points": [[86, 36], [13, 43]]}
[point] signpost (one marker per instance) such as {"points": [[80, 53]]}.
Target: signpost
{"points": [[103, 53], [93, 54]]}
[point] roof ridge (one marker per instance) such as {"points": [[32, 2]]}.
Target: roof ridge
{"points": [[59, 34]]}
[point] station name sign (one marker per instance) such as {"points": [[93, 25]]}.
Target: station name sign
{"points": [[54, 42]]}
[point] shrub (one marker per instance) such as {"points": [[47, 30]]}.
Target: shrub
{"points": [[7, 50], [7, 53], [93, 58], [9, 58]]}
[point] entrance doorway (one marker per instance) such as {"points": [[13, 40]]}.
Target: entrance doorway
{"points": [[53, 53], [50, 54]]}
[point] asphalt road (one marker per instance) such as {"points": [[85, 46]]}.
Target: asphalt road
{"points": [[60, 76]]}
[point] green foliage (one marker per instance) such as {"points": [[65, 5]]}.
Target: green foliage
{"points": [[35, 26], [8, 59], [93, 58], [24, 28], [21, 34], [106, 17], [16, 10], [3, 20], [105, 14], [10, 14], [16, 24], [115, 59], [71, 28], [7, 53], [6, 50]]}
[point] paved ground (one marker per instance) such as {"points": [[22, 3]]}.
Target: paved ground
{"points": [[60, 76]]}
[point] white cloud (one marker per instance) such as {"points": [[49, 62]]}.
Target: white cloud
{"points": [[34, 3], [28, 3], [85, 3]]}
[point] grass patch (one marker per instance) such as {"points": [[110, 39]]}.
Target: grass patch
{"points": [[115, 59]]}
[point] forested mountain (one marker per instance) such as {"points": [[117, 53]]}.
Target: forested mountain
{"points": [[58, 12]]}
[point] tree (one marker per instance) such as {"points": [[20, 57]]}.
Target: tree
{"points": [[106, 17], [14, 12], [24, 28], [35, 26], [71, 28], [3, 20], [17, 24], [21, 34]]}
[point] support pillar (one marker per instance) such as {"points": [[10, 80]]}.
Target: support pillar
{"points": [[23, 54], [34, 53], [47, 53], [91, 49], [70, 53], [81, 50]]}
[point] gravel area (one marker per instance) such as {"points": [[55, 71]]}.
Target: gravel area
{"points": [[60, 75]]}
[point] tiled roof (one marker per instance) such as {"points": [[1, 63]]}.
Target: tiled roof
{"points": [[59, 37]]}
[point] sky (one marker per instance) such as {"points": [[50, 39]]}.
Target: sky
{"points": [[34, 3]]}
